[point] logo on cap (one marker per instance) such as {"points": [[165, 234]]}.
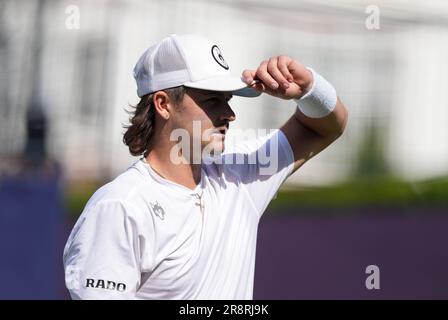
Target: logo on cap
{"points": [[216, 53]]}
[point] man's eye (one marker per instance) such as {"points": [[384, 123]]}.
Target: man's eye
{"points": [[216, 100]]}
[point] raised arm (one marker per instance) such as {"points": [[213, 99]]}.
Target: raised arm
{"points": [[322, 117]]}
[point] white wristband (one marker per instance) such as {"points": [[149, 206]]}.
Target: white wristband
{"points": [[320, 101]]}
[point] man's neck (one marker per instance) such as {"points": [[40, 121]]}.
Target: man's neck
{"points": [[188, 175]]}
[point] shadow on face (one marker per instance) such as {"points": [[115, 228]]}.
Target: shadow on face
{"points": [[215, 104]]}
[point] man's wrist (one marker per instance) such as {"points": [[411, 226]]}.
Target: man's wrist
{"points": [[320, 100]]}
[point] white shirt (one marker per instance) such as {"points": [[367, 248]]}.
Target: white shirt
{"points": [[144, 237]]}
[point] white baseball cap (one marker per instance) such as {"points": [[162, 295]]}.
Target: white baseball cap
{"points": [[189, 60]]}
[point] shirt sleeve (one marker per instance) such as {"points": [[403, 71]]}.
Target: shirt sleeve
{"points": [[102, 258], [261, 166]]}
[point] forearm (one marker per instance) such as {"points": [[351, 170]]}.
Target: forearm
{"points": [[331, 126], [320, 118]]}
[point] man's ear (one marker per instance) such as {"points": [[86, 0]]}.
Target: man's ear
{"points": [[162, 103]]}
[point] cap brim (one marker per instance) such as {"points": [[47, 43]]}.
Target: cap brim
{"points": [[225, 84]]}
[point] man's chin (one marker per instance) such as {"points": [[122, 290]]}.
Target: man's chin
{"points": [[215, 149]]}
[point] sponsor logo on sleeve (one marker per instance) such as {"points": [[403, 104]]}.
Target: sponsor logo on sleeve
{"points": [[105, 284]]}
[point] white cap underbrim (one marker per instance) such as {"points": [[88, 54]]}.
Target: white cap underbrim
{"points": [[225, 84]]}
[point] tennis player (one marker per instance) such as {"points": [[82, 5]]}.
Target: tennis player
{"points": [[181, 222]]}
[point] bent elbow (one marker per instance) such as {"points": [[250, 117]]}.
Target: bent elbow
{"points": [[342, 121]]}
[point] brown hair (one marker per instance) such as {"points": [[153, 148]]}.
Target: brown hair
{"points": [[140, 129]]}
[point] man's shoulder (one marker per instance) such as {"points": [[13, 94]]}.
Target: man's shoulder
{"points": [[245, 159], [123, 188]]}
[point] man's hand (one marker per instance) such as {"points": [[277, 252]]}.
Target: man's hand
{"points": [[286, 78], [281, 77]]}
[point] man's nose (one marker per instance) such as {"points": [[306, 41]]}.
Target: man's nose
{"points": [[227, 113]]}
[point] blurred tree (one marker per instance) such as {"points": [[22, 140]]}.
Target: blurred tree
{"points": [[371, 161], [36, 127], [36, 121]]}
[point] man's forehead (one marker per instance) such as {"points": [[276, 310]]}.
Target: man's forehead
{"points": [[209, 93]]}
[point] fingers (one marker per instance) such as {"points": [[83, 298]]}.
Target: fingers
{"points": [[259, 86], [274, 73], [249, 76], [265, 77], [283, 66], [277, 74]]}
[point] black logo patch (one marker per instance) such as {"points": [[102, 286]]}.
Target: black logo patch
{"points": [[105, 284], [216, 53]]}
